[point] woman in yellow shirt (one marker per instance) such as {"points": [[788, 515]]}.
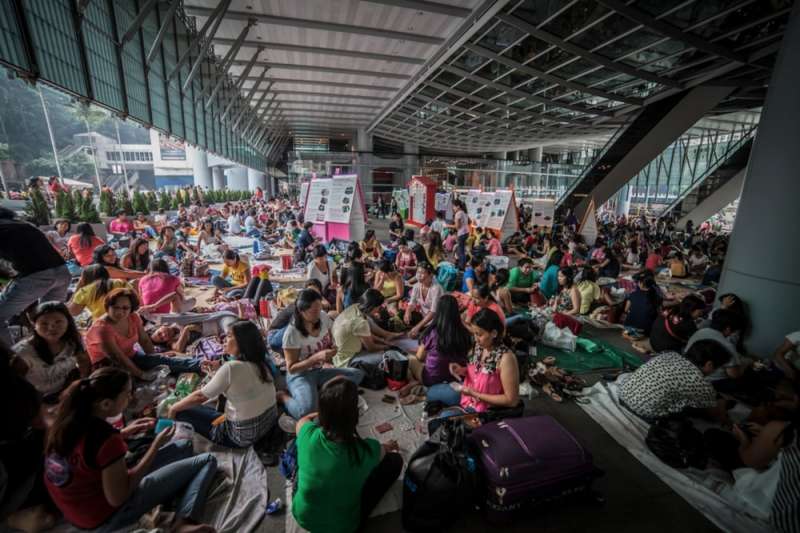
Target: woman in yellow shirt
{"points": [[235, 275], [435, 249], [91, 290], [389, 282]]}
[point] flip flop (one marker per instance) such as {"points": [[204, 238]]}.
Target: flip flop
{"points": [[548, 389], [549, 360]]}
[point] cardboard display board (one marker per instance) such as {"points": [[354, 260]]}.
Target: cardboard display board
{"points": [[317, 202], [422, 195], [502, 214], [304, 192], [401, 197], [544, 212], [472, 201], [444, 202], [340, 204], [484, 206]]}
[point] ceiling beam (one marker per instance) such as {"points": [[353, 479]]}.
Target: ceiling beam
{"points": [[426, 6], [162, 31], [329, 84], [318, 50], [137, 22], [318, 25], [332, 104], [211, 25], [344, 112], [335, 95], [332, 70]]}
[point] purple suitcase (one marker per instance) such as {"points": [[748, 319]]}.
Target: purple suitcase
{"points": [[530, 460]]}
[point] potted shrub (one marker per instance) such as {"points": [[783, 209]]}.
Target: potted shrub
{"points": [[107, 203], [37, 211], [139, 204]]}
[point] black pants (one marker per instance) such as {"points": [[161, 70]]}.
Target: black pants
{"points": [[378, 483], [257, 289]]}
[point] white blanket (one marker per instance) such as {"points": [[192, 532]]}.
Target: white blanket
{"points": [[709, 491]]}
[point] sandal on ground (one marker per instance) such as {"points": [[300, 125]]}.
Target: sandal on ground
{"points": [[549, 360], [550, 391]]}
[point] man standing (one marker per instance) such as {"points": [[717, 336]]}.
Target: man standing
{"points": [[40, 271]]}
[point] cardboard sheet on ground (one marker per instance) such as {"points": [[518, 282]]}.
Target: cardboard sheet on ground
{"points": [[708, 491], [590, 354]]}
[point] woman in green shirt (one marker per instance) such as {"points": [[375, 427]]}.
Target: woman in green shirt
{"points": [[340, 476]]}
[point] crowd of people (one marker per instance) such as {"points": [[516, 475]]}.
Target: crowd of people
{"points": [[85, 320]]}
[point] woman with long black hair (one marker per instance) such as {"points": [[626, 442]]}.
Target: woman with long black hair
{"points": [[246, 382], [95, 282], [341, 477], [307, 346], [53, 355], [85, 470], [446, 340], [83, 243], [671, 332], [107, 256], [138, 256]]}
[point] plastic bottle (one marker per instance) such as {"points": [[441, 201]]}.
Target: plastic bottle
{"points": [[274, 506]]}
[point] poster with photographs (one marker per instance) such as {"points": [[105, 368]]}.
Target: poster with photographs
{"points": [[444, 203], [484, 206], [304, 192], [318, 200], [498, 209], [472, 200], [342, 195], [543, 212]]}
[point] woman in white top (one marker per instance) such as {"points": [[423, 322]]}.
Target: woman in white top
{"points": [[250, 412], [322, 269], [307, 346], [54, 355]]}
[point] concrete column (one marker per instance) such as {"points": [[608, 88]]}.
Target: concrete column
{"points": [[255, 179], [237, 178], [763, 263], [623, 202], [218, 177], [364, 162], [200, 170], [535, 154]]}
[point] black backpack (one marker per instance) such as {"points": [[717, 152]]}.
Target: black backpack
{"points": [[677, 443], [440, 482]]}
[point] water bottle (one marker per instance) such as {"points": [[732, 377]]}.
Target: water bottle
{"points": [[255, 247], [423, 422]]}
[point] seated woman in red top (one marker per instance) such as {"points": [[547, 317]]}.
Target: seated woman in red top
{"points": [[120, 226], [82, 244], [85, 470], [161, 291], [111, 339], [482, 299]]}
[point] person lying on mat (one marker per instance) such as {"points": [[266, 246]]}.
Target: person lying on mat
{"points": [[340, 476], [491, 377], [246, 382]]}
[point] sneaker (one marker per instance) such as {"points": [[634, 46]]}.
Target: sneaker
{"points": [[287, 424]]}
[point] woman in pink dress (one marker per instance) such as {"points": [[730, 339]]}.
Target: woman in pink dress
{"points": [[491, 377]]}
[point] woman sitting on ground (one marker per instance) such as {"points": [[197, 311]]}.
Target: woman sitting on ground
{"points": [[589, 291], [91, 290], [491, 377], [162, 292], [481, 298], [246, 382], [83, 244], [389, 282], [568, 299], [169, 244], [235, 275], [677, 266], [53, 355], [323, 269], [138, 256], [548, 284], [106, 255], [406, 261], [341, 477], [353, 280], [501, 293], [446, 340], [353, 331], [434, 249], [670, 333], [307, 346], [371, 247], [112, 339], [210, 238], [641, 307], [85, 470]]}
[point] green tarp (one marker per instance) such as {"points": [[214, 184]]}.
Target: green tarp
{"points": [[590, 354]]}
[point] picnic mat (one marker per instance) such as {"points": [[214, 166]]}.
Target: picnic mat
{"points": [[590, 354], [712, 492]]}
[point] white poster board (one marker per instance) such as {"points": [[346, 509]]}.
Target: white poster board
{"points": [[473, 199], [544, 212], [498, 209], [418, 194], [444, 202], [484, 206], [341, 199], [588, 227], [401, 197], [303, 193], [318, 198]]}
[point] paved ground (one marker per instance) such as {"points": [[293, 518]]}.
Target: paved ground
{"points": [[635, 499]]}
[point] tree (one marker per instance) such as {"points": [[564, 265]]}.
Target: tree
{"points": [[164, 201], [65, 207], [37, 211], [107, 203], [139, 203], [152, 201], [88, 212], [124, 203]]}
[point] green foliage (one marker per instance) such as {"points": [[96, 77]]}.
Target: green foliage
{"points": [[123, 202], [5, 153], [65, 206], [87, 212], [76, 166], [152, 201], [164, 201], [176, 201], [36, 209], [139, 203], [107, 203]]}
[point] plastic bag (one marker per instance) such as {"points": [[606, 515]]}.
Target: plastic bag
{"points": [[562, 339], [186, 384]]}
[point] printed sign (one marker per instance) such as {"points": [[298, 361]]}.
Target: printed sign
{"points": [[171, 149], [544, 212], [473, 199], [498, 209], [318, 199], [342, 193]]}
